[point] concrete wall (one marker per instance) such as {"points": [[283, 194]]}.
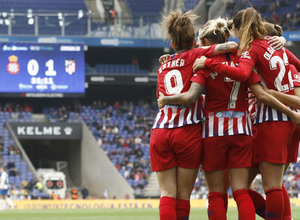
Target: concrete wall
{"points": [[97, 171]]}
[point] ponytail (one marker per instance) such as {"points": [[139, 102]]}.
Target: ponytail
{"points": [[217, 30], [250, 26], [179, 29]]}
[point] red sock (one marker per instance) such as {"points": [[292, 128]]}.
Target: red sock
{"points": [[287, 214], [274, 204], [259, 203], [244, 204], [183, 209], [167, 209], [225, 201], [216, 209]]}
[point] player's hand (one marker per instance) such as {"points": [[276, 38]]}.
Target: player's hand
{"points": [[164, 58], [277, 42], [199, 63], [160, 100], [296, 118]]}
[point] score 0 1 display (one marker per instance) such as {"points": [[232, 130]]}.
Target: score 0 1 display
{"points": [[42, 68]]}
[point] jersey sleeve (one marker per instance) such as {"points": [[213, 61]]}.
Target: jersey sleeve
{"points": [[200, 77], [253, 78], [240, 73], [293, 59], [295, 76], [204, 51]]}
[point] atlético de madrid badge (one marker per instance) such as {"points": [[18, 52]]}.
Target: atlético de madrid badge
{"points": [[13, 67], [70, 66]]}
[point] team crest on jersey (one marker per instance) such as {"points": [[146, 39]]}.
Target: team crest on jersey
{"points": [[70, 66], [245, 55], [297, 77], [13, 67]]}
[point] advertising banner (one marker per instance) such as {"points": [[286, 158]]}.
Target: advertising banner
{"points": [[47, 130]]}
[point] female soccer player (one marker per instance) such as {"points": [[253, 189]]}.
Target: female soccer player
{"points": [[274, 130], [274, 33], [175, 143]]}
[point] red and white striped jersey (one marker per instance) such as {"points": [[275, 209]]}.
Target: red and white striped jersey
{"points": [[275, 73], [266, 113], [173, 116], [226, 107], [174, 78]]}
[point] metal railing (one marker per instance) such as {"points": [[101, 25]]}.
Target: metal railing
{"points": [[79, 24]]}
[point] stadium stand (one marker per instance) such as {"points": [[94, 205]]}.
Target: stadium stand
{"points": [[284, 13], [10, 155], [148, 10], [123, 132]]}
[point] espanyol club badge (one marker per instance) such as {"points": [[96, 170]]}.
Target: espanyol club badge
{"points": [[70, 66], [13, 67]]}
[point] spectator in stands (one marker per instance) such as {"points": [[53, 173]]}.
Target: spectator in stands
{"points": [[54, 196], [117, 105], [84, 192], [275, 18], [12, 150], [128, 128], [1, 140], [10, 164], [16, 115], [134, 61], [115, 129], [62, 114], [51, 113], [100, 141], [18, 151], [26, 108], [112, 16], [74, 192], [137, 140], [137, 152], [38, 185], [12, 172], [95, 105]]}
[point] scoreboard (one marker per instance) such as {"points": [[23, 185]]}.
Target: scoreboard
{"points": [[35, 68]]}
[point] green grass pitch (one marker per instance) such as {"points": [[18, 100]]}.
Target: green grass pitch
{"points": [[110, 214]]}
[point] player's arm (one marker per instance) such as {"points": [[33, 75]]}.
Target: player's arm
{"points": [[228, 47], [277, 42], [240, 73], [274, 103], [293, 59], [183, 98], [290, 100]]}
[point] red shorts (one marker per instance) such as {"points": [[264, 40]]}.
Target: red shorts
{"points": [[294, 147], [272, 141], [254, 132], [176, 147], [234, 151]]}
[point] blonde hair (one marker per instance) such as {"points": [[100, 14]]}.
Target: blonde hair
{"points": [[179, 28], [217, 30], [273, 29], [250, 26]]}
